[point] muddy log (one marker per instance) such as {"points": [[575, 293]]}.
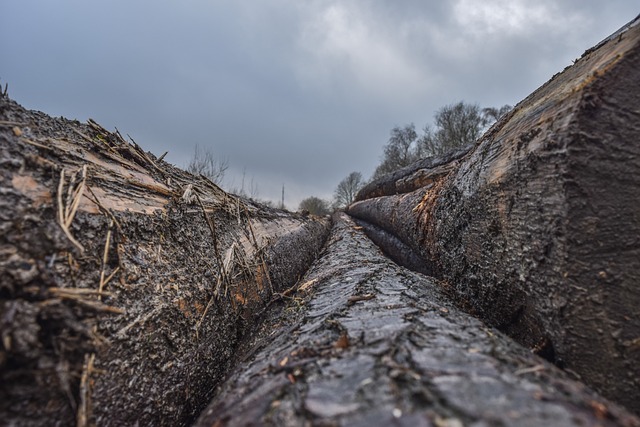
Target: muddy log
{"points": [[367, 342], [125, 283], [537, 229]]}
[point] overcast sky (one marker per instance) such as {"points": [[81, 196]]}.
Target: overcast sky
{"points": [[293, 92]]}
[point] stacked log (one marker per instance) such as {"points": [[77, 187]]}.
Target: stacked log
{"points": [[126, 284], [367, 342], [536, 229], [129, 289]]}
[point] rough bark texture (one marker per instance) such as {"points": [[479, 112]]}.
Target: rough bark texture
{"points": [[366, 342], [536, 229], [395, 248], [184, 269], [128, 287], [420, 174]]}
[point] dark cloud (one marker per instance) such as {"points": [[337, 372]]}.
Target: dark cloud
{"points": [[293, 93]]}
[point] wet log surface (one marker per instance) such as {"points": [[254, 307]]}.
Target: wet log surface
{"points": [[367, 342], [536, 229], [412, 177], [129, 289], [126, 284]]}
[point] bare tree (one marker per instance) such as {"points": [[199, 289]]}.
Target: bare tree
{"points": [[315, 206], [204, 162], [399, 150], [456, 125], [347, 189], [248, 187], [490, 115]]}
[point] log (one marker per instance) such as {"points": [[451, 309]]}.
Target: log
{"points": [[129, 289], [536, 229], [126, 284], [367, 342], [422, 173]]}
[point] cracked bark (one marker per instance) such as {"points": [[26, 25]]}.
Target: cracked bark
{"points": [[185, 269], [404, 355], [535, 230]]}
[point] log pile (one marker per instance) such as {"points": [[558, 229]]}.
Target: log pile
{"points": [[376, 344], [126, 284], [134, 293], [536, 230]]}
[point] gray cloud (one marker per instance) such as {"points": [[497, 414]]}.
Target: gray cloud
{"points": [[294, 93]]}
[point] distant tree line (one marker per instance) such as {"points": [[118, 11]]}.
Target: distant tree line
{"points": [[205, 163], [454, 126], [344, 195], [315, 206]]}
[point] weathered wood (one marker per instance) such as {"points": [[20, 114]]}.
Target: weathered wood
{"points": [[536, 230], [126, 285], [184, 269], [412, 177], [371, 343], [394, 248]]}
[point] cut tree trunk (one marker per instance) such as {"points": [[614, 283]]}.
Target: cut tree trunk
{"points": [[125, 283], [422, 173], [366, 342], [537, 229]]}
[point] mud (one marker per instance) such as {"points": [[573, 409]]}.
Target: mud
{"points": [[368, 342]]}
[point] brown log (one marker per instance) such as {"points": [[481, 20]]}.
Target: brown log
{"points": [[536, 231], [370, 343], [126, 284], [422, 173]]}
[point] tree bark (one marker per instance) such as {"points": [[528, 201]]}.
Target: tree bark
{"points": [[419, 174], [366, 342], [126, 284], [536, 229]]}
